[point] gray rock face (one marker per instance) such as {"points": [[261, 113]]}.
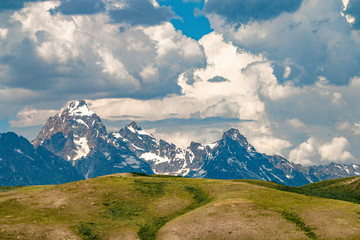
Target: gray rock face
{"points": [[79, 136], [22, 164]]}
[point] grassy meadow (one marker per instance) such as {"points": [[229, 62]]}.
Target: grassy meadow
{"points": [[133, 206]]}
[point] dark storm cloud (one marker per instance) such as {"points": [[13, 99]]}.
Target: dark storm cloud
{"points": [[27, 70], [244, 11], [141, 12], [353, 9], [218, 79], [79, 7], [14, 4]]}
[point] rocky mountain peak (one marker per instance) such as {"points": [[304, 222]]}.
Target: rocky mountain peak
{"points": [[78, 108], [11, 141], [134, 125], [78, 135], [234, 134], [194, 145], [134, 131], [72, 133], [136, 139]]}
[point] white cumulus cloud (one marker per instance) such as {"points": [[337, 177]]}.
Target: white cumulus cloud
{"points": [[304, 153], [270, 145], [336, 150]]}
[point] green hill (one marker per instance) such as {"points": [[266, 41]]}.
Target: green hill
{"points": [[130, 206], [347, 189]]}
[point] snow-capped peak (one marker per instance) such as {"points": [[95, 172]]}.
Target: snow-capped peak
{"points": [[78, 108], [235, 135], [134, 128]]}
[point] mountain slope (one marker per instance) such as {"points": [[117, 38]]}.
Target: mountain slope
{"points": [[79, 136], [127, 206], [22, 164]]}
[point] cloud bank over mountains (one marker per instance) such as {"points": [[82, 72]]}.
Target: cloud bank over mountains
{"points": [[286, 73]]}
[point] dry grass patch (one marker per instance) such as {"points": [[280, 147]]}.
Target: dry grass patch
{"points": [[335, 221], [50, 199], [122, 234], [230, 219], [39, 232], [169, 205]]}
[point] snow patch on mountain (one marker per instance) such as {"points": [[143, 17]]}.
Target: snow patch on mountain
{"points": [[107, 155], [131, 129], [212, 145], [118, 166], [200, 173], [116, 135], [184, 170], [153, 157], [82, 148], [132, 160], [137, 130], [82, 122], [181, 155], [137, 148], [142, 132], [19, 151]]}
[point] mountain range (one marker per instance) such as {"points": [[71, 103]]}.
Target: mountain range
{"points": [[75, 144]]}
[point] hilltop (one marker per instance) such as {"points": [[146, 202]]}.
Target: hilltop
{"points": [[138, 206]]}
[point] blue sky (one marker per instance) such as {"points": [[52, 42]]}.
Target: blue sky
{"points": [[284, 72], [190, 18]]}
